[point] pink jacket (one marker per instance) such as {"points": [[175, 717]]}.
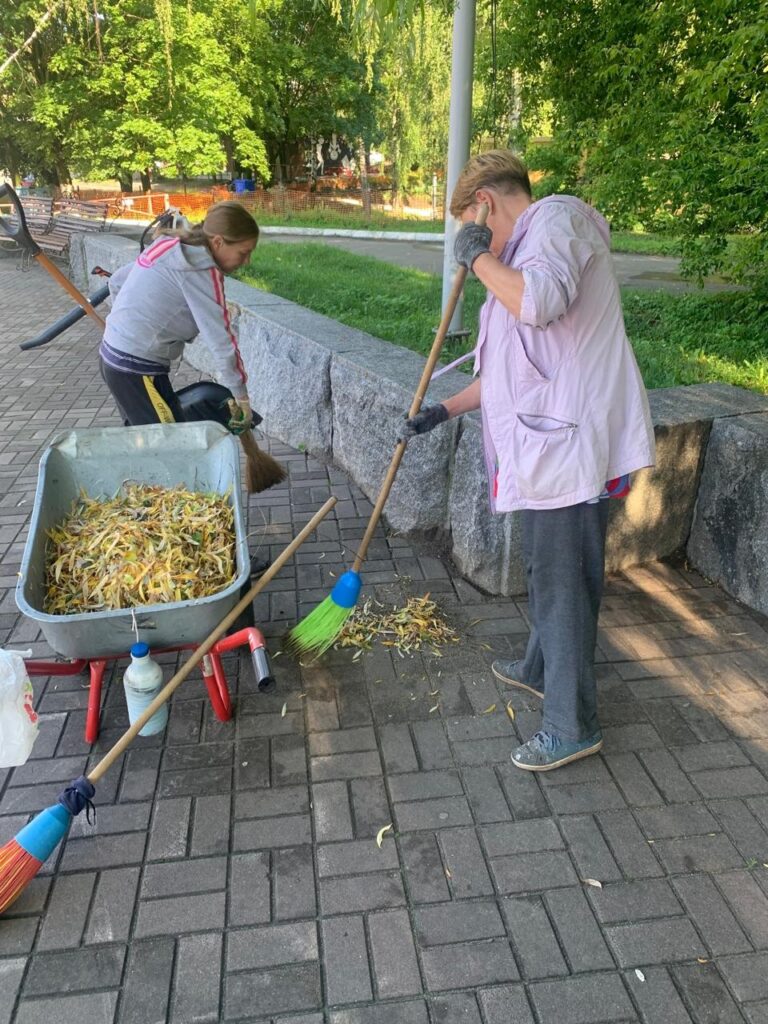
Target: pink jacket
{"points": [[563, 405]]}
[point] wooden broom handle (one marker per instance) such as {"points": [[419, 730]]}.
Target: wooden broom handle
{"points": [[200, 652], [418, 398], [67, 285], [20, 234]]}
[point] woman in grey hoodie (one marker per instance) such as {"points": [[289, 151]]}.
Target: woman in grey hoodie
{"points": [[170, 294]]}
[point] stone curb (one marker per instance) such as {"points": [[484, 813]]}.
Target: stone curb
{"points": [[339, 393]]}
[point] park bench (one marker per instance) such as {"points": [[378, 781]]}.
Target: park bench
{"points": [[39, 214], [71, 217], [52, 224]]}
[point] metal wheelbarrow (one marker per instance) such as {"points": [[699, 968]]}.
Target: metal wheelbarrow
{"points": [[201, 457]]}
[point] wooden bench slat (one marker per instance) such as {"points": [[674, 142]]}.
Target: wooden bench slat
{"points": [[53, 232], [53, 224], [77, 223]]}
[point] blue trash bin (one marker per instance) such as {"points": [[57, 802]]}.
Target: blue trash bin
{"points": [[244, 185]]}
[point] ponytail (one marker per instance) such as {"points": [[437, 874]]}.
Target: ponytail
{"points": [[228, 219]]}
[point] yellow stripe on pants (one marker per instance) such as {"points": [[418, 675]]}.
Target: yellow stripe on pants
{"points": [[159, 404]]}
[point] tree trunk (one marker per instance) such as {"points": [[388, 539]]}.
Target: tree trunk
{"points": [[362, 159], [49, 175], [229, 155], [515, 113], [63, 177], [125, 180], [396, 181], [11, 161]]}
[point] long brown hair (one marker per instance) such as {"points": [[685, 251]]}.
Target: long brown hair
{"points": [[227, 218]]}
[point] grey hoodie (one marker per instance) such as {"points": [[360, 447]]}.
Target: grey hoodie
{"points": [[172, 293]]}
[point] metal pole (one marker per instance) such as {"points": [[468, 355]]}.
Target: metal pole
{"points": [[459, 132]]}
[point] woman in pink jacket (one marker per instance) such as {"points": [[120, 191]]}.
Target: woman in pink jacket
{"points": [[565, 421]]}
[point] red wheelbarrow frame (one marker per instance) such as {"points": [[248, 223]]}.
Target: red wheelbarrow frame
{"points": [[212, 668]]}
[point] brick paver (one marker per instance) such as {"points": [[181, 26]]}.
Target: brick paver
{"points": [[233, 874]]}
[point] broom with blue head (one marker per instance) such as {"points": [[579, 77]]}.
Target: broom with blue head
{"points": [[23, 856], [321, 628]]}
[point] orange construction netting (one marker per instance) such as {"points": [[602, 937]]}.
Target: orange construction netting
{"points": [[281, 202]]}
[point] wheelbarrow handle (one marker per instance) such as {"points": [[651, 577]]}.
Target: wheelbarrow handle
{"points": [[20, 233], [65, 322]]}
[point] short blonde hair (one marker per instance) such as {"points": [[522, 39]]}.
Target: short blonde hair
{"points": [[499, 169]]}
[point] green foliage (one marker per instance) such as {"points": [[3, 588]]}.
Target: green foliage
{"points": [[412, 108], [193, 86], [659, 115], [318, 84], [145, 81], [376, 23], [678, 339]]}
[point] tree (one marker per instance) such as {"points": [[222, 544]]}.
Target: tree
{"points": [[318, 85], [659, 115], [406, 51], [415, 70], [113, 91], [34, 122]]}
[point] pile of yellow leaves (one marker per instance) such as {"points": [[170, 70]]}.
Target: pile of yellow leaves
{"points": [[148, 545], [416, 625]]}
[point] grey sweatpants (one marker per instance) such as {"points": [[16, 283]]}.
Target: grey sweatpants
{"points": [[564, 552]]}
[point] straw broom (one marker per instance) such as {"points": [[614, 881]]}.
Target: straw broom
{"points": [[319, 630], [23, 856], [261, 470]]}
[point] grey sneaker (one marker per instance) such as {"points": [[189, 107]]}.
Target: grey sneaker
{"points": [[506, 672], [545, 751]]}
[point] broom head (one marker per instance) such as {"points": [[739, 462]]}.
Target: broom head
{"points": [[320, 629], [21, 858], [261, 470]]}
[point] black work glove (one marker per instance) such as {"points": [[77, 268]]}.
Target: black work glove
{"points": [[472, 241], [429, 417]]}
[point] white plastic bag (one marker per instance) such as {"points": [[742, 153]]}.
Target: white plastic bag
{"points": [[18, 718]]}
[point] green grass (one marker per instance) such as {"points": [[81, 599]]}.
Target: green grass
{"points": [[691, 338], [647, 243], [319, 218], [394, 303], [697, 338], [621, 241]]}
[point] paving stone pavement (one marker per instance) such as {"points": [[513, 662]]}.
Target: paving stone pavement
{"points": [[233, 872]]}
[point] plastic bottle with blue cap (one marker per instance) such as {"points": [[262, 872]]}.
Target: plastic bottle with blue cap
{"points": [[142, 682]]}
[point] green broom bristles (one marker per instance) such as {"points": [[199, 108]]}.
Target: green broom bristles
{"points": [[320, 629]]}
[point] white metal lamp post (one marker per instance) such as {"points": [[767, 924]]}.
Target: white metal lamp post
{"points": [[459, 133]]}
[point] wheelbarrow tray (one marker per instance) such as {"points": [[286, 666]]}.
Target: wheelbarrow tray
{"points": [[199, 456]]}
